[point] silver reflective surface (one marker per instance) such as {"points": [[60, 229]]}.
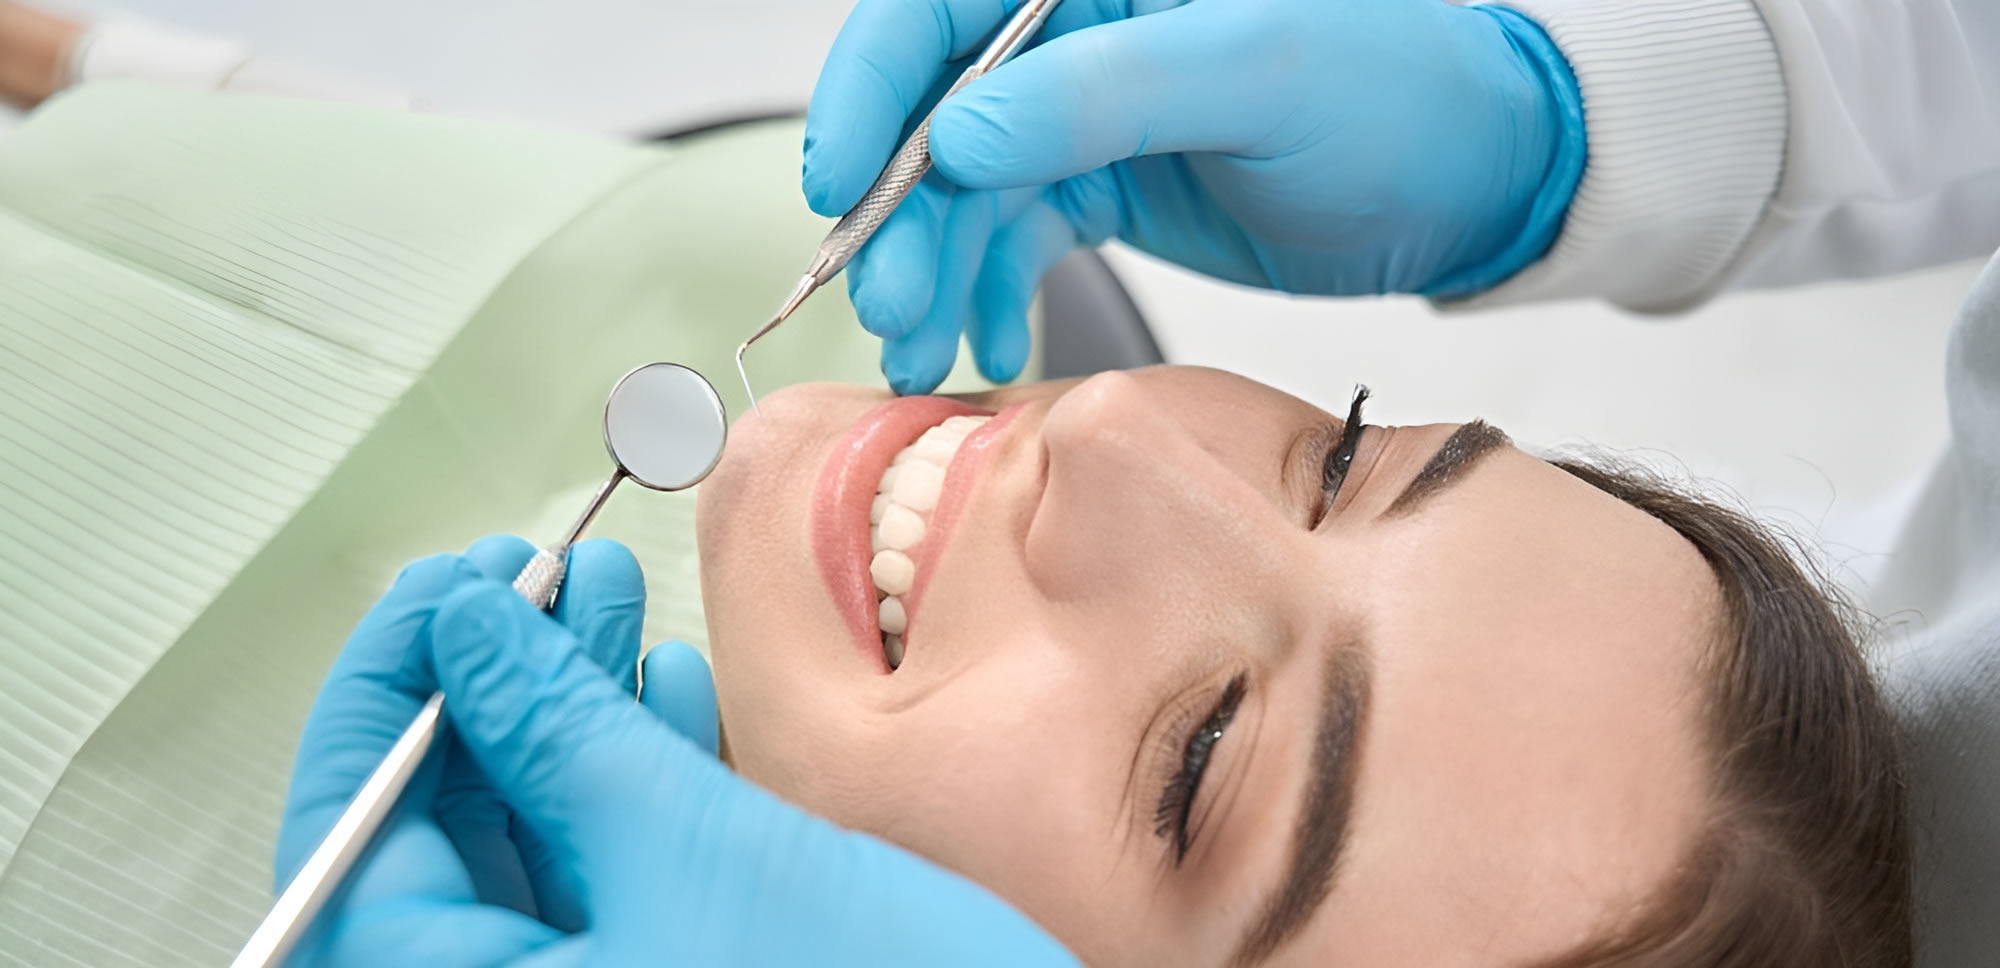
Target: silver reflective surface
{"points": [[665, 425]]}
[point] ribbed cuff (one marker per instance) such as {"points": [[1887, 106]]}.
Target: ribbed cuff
{"points": [[1684, 105]]}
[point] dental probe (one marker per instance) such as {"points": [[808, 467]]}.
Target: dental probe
{"points": [[664, 427], [906, 167]]}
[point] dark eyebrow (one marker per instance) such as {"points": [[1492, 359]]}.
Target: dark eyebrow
{"points": [[1323, 810], [1448, 465]]}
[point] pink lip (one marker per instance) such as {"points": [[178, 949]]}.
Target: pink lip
{"points": [[847, 488]]}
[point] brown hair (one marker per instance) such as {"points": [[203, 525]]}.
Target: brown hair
{"points": [[1806, 858]]}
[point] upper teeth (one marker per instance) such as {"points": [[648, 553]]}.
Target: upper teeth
{"points": [[899, 517]]}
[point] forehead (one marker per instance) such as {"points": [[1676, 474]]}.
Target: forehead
{"points": [[1532, 763]]}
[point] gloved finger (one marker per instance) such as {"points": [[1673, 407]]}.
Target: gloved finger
{"points": [[892, 280], [471, 814], [680, 689], [918, 362], [1194, 78], [374, 689], [1022, 253], [480, 827], [603, 601], [603, 604], [889, 58], [554, 732]]}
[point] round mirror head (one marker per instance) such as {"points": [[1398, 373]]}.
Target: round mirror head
{"points": [[665, 426]]}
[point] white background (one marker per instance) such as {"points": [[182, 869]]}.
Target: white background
{"points": [[1817, 406]]}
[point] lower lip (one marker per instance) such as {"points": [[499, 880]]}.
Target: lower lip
{"points": [[846, 489]]}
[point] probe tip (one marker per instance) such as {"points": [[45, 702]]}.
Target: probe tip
{"points": [[745, 374], [805, 288]]}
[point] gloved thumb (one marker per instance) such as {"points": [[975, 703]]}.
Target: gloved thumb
{"points": [[551, 729], [677, 686], [1197, 77]]}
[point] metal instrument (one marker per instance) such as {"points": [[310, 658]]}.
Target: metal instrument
{"points": [[906, 167], [664, 426]]}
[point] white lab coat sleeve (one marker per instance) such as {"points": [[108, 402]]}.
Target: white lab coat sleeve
{"points": [[1734, 143], [1893, 154]]}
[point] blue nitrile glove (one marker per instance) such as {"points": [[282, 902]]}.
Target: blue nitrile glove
{"points": [[565, 824], [1329, 147]]}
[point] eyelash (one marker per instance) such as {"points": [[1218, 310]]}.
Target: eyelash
{"points": [[1334, 472], [1170, 818]]}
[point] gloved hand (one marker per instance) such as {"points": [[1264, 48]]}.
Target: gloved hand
{"points": [[565, 824], [1333, 148]]}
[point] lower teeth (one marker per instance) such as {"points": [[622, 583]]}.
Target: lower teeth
{"points": [[892, 647]]}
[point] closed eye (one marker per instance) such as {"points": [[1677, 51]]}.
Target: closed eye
{"points": [[1173, 817]]}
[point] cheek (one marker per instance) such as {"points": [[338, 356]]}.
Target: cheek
{"points": [[1012, 773], [1023, 793], [1004, 764]]}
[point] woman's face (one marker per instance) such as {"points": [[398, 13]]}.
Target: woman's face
{"points": [[1156, 695]]}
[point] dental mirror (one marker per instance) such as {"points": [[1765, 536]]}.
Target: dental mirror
{"points": [[665, 426]]}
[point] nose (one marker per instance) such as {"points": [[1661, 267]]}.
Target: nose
{"points": [[1136, 508]]}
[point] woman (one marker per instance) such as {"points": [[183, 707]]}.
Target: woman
{"points": [[1195, 673]]}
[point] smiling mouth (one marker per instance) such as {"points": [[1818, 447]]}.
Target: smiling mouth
{"points": [[899, 519]]}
